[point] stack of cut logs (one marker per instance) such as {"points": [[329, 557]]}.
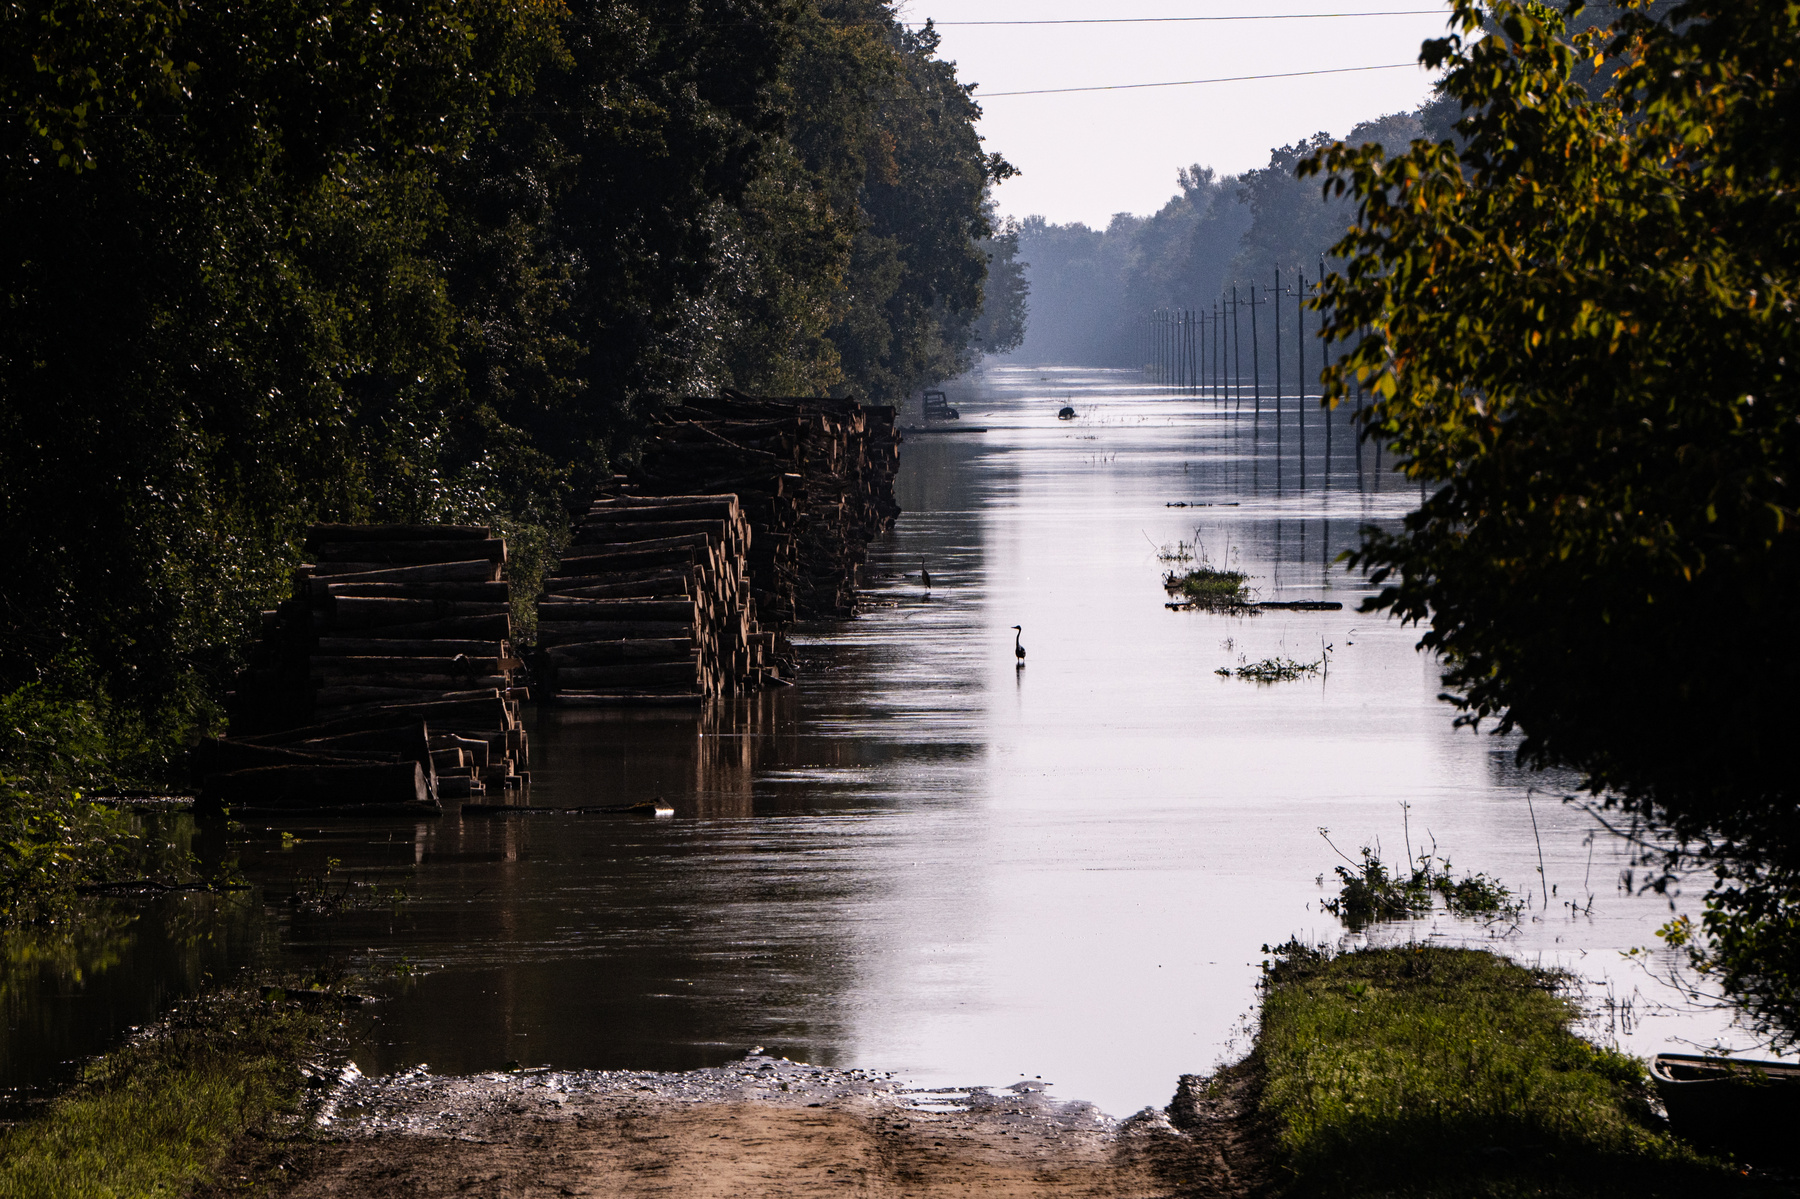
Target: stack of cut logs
{"points": [[386, 681], [815, 478], [651, 605]]}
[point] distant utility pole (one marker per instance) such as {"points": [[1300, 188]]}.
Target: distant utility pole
{"points": [[1325, 410], [1218, 340], [1255, 356], [1300, 340], [1276, 302], [1237, 352]]}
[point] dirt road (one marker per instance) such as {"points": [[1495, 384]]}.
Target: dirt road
{"points": [[760, 1128]]}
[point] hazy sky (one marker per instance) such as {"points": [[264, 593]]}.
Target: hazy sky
{"points": [[1087, 155]]}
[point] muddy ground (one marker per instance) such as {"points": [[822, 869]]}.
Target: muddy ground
{"points": [[760, 1127]]}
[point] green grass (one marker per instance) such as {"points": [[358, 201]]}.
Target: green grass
{"points": [[159, 1116], [1422, 1071], [1209, 588]]}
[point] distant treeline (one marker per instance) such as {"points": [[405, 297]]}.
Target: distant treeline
{"points": [[422, 260], [1091, 289]]}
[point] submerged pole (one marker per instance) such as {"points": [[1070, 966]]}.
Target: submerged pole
{"points": [[1255, 357], [1300, 337], [1276, 307], [1237, 351]]}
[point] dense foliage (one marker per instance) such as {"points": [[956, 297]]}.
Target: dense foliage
{"points": [[1578, 317], [411, 260]]}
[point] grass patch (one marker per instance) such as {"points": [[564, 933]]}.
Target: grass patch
{"points": [[1212, 590], [1423, 1071], [160, 1115]]}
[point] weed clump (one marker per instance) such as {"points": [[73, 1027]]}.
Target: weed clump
{"points": [[1210, 590], [1372, 892], [1273, 670]]}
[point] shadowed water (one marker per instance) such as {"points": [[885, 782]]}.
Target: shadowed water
{"points": [[928, 860]]}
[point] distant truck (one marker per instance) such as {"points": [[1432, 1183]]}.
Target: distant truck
{"points": [[937, 407]]}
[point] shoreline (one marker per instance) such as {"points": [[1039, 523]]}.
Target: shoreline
{"points": [[758, 1126], [1415, 1070]]}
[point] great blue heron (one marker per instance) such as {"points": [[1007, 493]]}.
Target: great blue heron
{"points": [[924, 576], [1018, 645]]}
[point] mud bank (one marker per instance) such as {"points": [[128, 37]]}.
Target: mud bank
{"points": [[762, 1126]]}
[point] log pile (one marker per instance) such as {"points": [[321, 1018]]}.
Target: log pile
{"points": [[386, 680], [815, 478], [651, 605]]}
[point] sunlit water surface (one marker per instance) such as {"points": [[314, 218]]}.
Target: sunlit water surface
{"points": [[926, 859]]}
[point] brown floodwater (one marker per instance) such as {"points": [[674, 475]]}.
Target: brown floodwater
{"points": [[924, 858]]}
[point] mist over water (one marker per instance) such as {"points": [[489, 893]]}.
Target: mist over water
{"points": [[926, 859]]}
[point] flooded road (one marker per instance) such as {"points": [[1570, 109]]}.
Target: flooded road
{"points": [[928, 860]]}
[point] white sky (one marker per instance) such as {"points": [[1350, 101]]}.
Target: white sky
{"points": [[1087, 155]]}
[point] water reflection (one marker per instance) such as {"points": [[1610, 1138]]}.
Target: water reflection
{"points": [[69, 993], [926, 859]]}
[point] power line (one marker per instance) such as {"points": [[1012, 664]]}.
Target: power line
{"points": [[1286, 16], [1120, 87]]}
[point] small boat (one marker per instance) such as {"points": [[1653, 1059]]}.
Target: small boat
{"points": [[1729, 1104]]}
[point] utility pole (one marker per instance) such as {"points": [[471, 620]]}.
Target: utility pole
{"points": [[1255, 355], [1327, 411], [1237, 351], [1300, 340], [1276, 309]]}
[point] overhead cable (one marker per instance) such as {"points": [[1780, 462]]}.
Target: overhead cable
{"points": [[1283, 16], [1120, 87]]}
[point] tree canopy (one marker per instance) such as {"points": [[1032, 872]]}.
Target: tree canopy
{"points": [[1578, 315], [412, 260]]}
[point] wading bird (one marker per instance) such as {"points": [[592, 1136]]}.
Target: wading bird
{"points": [[1018, 646], [925, 576]]}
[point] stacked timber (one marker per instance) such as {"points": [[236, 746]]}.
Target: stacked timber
{"points": [[815, 478], [393, 656], [651, 605]]}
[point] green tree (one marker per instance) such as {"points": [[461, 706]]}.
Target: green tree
{"points": [[1578, 317], [917, 269], [1005, 308], [224, 315]]}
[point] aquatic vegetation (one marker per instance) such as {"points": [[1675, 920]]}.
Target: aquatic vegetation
{"points": [[1371, 891], [1273, 670], [1209, 589], [1428, 1071]]}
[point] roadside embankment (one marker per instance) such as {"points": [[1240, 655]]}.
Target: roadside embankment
{"points": [[1427, 1071], [1412, 1071], [164, 1114]]}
